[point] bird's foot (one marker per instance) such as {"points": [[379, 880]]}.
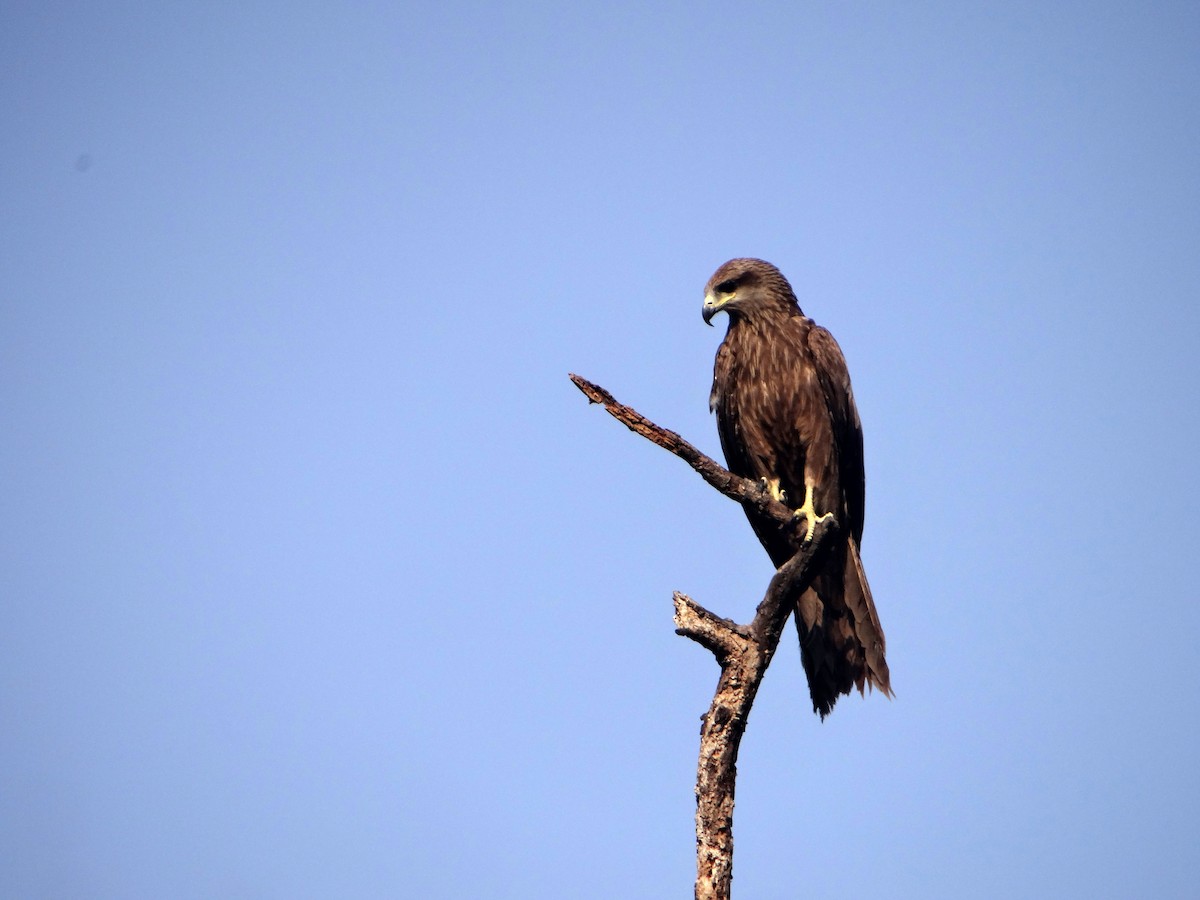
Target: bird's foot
{"points": [[809, 514], [771, 485]]}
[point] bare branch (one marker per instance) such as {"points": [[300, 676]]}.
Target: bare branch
{"points": [[723, 637], [743, 490], [743, 652]]}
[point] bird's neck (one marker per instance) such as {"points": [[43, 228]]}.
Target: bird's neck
{"points": [[763, 319]]}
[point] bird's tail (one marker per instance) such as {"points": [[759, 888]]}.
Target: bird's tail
{"points": [[841, 641]]}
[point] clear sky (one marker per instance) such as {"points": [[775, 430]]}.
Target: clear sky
{"points": [[319, 579]]}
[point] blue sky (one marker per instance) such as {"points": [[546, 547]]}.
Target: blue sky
{"points": [[319, 579]]}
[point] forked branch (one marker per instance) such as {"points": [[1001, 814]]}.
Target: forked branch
{"points": [[743, 651]]}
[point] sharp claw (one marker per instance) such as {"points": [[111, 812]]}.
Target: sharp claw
{"points": [[809, 514], [772, 485]]}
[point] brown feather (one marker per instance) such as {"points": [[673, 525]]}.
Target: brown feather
{"points": [[785, 411]]}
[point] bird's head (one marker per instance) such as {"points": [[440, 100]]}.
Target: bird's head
{"points": [[745, 286]]}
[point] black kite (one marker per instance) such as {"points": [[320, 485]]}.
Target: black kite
{"points": [[786, 416]]}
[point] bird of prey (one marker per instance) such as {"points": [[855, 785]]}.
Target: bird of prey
{"points": [[786, 417]]}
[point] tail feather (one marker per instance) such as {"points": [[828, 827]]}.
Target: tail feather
{"points": [[841, 640], [866, 623]]}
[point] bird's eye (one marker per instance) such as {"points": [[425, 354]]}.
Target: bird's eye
{"points": [[726, 287]]}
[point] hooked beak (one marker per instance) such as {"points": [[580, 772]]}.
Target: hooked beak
{"points": [[711, 307]]}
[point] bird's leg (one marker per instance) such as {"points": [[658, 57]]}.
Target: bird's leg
{"points": [[809, 513]]}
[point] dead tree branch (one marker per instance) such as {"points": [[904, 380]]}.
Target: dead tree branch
{"points": [[743, 490], [742, 651]]}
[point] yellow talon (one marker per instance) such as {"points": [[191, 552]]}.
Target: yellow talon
{"points": [[810, 514], [772, 485]]}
